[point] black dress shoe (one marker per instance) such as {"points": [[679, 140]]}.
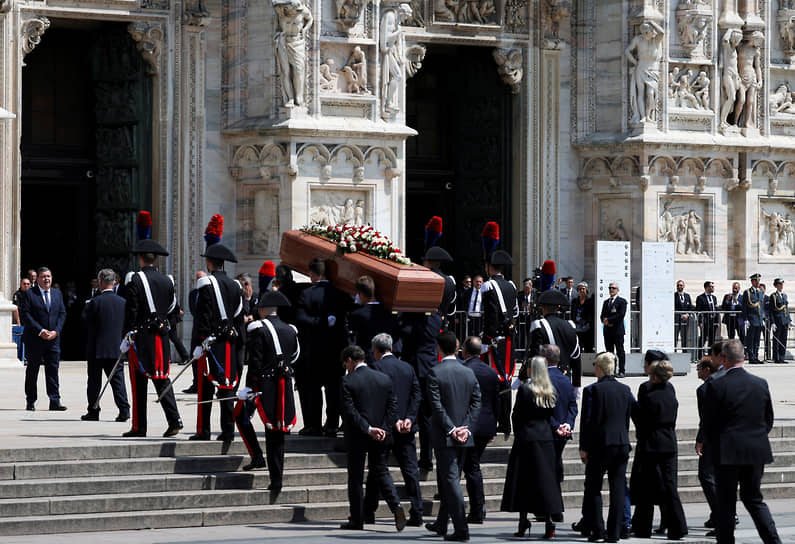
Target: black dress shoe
{"points": [[330, 432], [414, 521], [426, 466], [192, 390], [457, 537], [30, 407], [90, 416], [625, 533], [254, 464], [134, 434], [310, 431], [593, 537], [275, 487], [121, 418], [621, 375], [351, 526], [579, 527], [474, 518], [172, 430], [57, 407], [369, 519], [434, 528], [709, 524], [225, 437], [400, 519], [660, 530], [199, 436]]}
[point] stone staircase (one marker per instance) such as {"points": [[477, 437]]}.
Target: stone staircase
{"points": [[158, 484]]}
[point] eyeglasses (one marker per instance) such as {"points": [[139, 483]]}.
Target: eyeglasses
{"points": [[611, 287]]}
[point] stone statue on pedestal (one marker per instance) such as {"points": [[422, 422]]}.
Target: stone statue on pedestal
{"points": [[645, 72], [731, 76], [750, 69], [295, 19]]}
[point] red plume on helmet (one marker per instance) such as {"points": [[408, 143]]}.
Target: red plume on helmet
{"points": [[547, 275], [215, 230], [433, 231], [490, 238], [143, 225]]}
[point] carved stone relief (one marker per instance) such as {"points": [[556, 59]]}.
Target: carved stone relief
{"points": [[415, 54], [294, 21], [776, 229], [479, 12], [644, 54], [555, 12], [31, 33], [615, 219], [149, 39], [355, 72], [689, 88], [786, 28], [196, 13], [154, 4], [682, 221], [348, 12], [693, 24], [516, 16], [510, 67], [741, 80], [416, 18], [327, 79], [338, 206], [781, 100]]}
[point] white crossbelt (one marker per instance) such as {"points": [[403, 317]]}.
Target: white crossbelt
{"points": [[276, 344], [148, 292], [218, 299], [501, 300]]}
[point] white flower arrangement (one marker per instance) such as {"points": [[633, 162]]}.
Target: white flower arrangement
{"points": [[358, 238]]}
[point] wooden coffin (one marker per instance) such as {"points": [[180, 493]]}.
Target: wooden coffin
{"points": [[399, 287]]}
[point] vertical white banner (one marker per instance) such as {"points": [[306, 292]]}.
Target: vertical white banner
{"points": [[613, 263], [656, 302]]}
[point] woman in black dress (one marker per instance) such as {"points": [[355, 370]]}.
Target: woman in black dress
{"points": [[654, 416], [531, 484], [582, 313]]}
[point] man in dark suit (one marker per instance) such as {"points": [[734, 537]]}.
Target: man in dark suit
{"points": [[732, 304], [778, 310], [369, 414], [612, 317], [407, 392], [708, 318], [483, 429], [753, 314], [552, 329], [737, 417], [472, 301], [195, 340], [707, 369], [455, 407], [433, 259], [565, 412], [370, 318], [43, 315], [683, 304], [604, 447], [104, 318], [567, 288]]}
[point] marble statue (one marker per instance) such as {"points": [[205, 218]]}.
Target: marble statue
{"points": [[328, 78], [731, 76], [774, 225], [750, 69], [683, 92], [693, 230], [692, 28], [645, 74], [348, 12], [701, 89], [684, 230], [787, 31], [509, 67], [356, 77], [294, 19], [391, 63], [415, 54]]}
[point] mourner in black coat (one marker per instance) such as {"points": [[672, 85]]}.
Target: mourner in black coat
{"points": [[737, 417], [582, 313], [104, 319], [369, 414], [370, 318]]}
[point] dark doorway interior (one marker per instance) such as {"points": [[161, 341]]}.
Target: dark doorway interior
{"points": [[86, 156], [459, 165]]}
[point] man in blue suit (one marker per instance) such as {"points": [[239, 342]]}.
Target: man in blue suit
{"points": [[753, 314], [565, 412], [43, 315], [104, 318]]}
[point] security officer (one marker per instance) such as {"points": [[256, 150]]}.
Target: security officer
{"points": [[753, 313], [219, 314], [779, 313], [273, 348], [500, 310], [552, 329], [150, 299], [433, 259]]}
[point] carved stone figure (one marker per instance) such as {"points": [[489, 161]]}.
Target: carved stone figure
{"points": [[441, 11], [673, 81], [357, 81], [148, 38], [701, 89], [779, 98], [509, 67], [731, 75], [693, 29], [684, 230], [750, 69], [415, 54], [328, 78], [294, 19], [786, 28], [348, 12], [516, 15], [617, 232], [645, 75], [683, 93], [464, 11], [693, 226], [774, 224], [31, 33], [557, 11], [330, 213], [391, 63]]}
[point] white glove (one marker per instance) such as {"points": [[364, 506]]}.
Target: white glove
{"points": [[773, 328], [125, 345], [577, 393], [332, 320], [516, 383], [198, 351], [243, 393]]}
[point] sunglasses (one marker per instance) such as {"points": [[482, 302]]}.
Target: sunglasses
{"points": [[611, 288]]}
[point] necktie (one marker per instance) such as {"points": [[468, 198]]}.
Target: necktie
{"points": [[711, 303], [47, 300]]}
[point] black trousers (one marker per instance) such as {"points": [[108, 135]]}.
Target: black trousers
{"points": [[404, 448], [780, 342], [95, 369], [50, 359], [680, 333], [706, 477], [474, 477], [206, 389], [707, 338], [752, 342], [614, 343], [424, 422], [612, 460], [559, 443], [274, 443], [670, 503], [449, 461], [734, 326], [376, 455], [312, 400], [138, 386], [173, 335], [749, 477]]}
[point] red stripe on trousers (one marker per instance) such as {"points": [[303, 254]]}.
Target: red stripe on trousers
{"points": [[158, 357], [240, 405], [508, 373], [280, 405]]}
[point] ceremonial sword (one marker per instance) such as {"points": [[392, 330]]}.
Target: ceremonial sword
{"points": [[205, 345], [250, 396], [95, 406]]}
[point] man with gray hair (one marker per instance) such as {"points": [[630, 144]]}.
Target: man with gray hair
{"points": [[104, 318], [406, 388]]}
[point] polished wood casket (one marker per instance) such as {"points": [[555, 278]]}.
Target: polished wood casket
{"points": [[401, 288]]}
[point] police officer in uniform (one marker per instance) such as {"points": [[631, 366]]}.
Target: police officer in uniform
{"points": [[219, 314], [753, 313], [150, 299], [500, 310], [779, 313], [433, 259], [273, 349], [552, 329]]}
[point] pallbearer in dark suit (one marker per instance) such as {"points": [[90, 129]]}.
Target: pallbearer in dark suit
{"points": [[683, 304], [369, 415], [483, 429], [273, 349], [552, 329], [370, 318], [43, 315], [455, 406], [732, 302], [407, 392], [708, 319], [500, 310], [612, 317], [737, 417], [150, 299], [779, 313], [219, 316], [104, 318], [753, 314], [604, 447]]}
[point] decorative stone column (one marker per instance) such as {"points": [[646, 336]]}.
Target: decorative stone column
{"points": [[8, 352]]}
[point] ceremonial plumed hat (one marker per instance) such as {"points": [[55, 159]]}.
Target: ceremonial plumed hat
{"points": [[553, 297], [501, 257], [756, 277], [220, 252], [272, 299], [778, 281], [437, 254], [143, 229]]}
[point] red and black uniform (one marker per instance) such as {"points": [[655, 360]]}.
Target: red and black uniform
{"points": [[500, 311], [150, 354], [218, 367], [270, 374]]}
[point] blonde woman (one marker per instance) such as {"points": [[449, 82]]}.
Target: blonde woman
{"points": [[531, 484]]}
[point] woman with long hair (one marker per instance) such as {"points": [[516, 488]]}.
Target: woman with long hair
{"points": [[531, 484]]}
